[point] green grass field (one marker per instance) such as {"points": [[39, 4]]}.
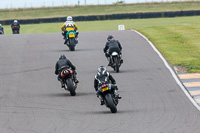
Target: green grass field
{"points": [[31, 13], [178, 39]]}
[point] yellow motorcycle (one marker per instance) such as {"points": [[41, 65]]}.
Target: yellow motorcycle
{"points": [[71, 39]]}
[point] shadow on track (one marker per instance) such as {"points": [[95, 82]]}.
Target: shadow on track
{"points": [[108, 112], [77, 50], [58, 95], [66, 94], [136, 70], [84, 94]]}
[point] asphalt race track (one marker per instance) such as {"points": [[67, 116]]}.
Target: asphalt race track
{"points": [[31, 100]]}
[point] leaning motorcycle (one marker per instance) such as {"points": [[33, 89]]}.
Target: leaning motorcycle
{"points": [[115, 61], [1, 32], [71, 39], [108, 96], [15, 29], [70, 85]]}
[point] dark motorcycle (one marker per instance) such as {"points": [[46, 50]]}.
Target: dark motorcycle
{"points": [[108, 96], [115, 61], [15, 29], [70, 85], [1, 32], [71, 39]]}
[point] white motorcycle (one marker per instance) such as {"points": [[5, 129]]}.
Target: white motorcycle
{"points": [[116, 61]]}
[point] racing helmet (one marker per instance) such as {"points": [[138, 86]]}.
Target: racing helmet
{"points": [[0, 25], [69, 18], [110, 37], [102, 69], [62, 56], [15, 21]]}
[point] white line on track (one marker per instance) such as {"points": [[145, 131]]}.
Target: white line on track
{"points": [[170, 69]]}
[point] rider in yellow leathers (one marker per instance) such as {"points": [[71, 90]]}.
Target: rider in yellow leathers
{"points": [[68, 26]]}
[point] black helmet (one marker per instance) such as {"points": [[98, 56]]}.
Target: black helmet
{"points": [[109, 37], [62, 56], [102, 69]]}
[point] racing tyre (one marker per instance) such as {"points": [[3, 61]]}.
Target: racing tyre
{"points": [[70, 87], [116, 64], [110, 104], [72, 44]]}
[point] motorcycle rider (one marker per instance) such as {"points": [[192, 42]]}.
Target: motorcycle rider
{"points": [[67, 26], [15, 23], [112, 45], [62, 64], [1, 29], [104, 76]]}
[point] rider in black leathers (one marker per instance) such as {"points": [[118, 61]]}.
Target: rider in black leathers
{"points": [[106, 77], [62, 64], [1, 29], [112, 45], [15, 23]]}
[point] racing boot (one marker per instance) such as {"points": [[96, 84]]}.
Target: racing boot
{"points": [[76, 38], [61, 81], [75, 78], [109, 61], [65, 41], [117, 94], [62, 84], [101, 99], [76, 81], [121, 60]]}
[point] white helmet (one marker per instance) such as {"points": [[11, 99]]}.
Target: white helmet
{"points": [[102, 69], [69, 18], [0, 25], [15, 21]]}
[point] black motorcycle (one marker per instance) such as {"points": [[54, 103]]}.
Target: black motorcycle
{"points": [[1, 32], [70, 85], [108, 96], [15, 29], [115, 61]]}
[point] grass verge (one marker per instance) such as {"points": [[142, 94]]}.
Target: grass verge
{"points": [[176, 38], [47, 12]]}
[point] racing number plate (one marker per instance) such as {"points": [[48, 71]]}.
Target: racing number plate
{"points": [[105, 89], [71, 35]]}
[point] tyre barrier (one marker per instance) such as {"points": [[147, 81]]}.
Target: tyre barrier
{"points": [[107, 17]]}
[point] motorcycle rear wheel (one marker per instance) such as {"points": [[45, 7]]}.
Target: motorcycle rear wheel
{"points": [[110, 104], [72, 44], [71, 87], [116, 64]]}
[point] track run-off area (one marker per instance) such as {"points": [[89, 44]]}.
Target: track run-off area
{"points": [[31, 100]]}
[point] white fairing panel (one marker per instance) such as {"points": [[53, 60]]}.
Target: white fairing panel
{"points": [[114, 53]]}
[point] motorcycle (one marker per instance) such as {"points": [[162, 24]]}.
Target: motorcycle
{"points": [[70, 85], [15, 29], [71, 39], [1, 32], [116, 61], [108, 97]]}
